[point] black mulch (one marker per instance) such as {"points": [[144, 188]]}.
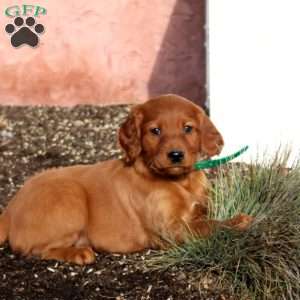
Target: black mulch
{"points": [[36, 138]]}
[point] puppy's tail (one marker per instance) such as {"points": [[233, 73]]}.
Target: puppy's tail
{"points": [[4, 225]]}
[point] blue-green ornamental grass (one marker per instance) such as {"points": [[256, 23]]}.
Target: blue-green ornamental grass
{"points": [[263, 262]]}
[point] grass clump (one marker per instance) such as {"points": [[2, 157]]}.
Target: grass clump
{"points": [[264, 261]]}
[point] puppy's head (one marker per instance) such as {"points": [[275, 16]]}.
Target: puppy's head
{"points": [[169, 132]]}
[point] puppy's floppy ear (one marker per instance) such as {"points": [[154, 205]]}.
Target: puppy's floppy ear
{"points": [[211, 141], [130, 135]]}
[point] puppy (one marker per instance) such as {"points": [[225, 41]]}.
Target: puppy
{"points": [[123, 205]]}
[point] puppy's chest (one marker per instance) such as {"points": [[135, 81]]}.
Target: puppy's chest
{"points": [[196, 186], [194, 196], [179, 197]]}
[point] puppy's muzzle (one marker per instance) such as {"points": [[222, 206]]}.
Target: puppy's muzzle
{"points": [[176, 156]]}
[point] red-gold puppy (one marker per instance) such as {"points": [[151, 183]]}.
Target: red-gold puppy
{"points": [[123, 205]]}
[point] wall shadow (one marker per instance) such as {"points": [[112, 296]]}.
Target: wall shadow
{"points": [[180, 65]]}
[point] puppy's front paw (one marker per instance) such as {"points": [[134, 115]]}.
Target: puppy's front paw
{"points": [[241, 222]]}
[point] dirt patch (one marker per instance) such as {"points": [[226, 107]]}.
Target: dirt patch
{"points": [[37, 138]]}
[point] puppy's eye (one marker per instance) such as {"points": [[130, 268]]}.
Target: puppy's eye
{"points": [[187, 129], [155, 131]]}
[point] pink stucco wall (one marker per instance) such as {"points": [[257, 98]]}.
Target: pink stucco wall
{"points": [[100, 52]]}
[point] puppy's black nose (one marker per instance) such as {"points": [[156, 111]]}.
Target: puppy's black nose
{"points": [[176, 156]]}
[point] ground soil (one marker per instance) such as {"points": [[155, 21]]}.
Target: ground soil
{"points": [[36, 138]]}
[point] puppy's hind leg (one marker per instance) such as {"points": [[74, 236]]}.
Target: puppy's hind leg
{"points": [[49, 221], [68, 249], [77, 255]]}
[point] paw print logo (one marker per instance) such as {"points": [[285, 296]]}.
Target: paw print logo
{"points": [[22, 34]]}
